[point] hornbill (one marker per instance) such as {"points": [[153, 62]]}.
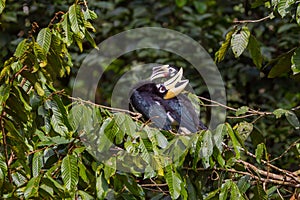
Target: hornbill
{"points": [[163, 104]]}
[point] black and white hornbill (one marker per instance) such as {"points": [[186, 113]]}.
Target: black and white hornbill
{"points": [[163, 104]]}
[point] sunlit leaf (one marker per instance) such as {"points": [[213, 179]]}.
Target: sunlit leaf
{"points": [[37, 163], [298, 14], [173, 181], [236, 145], [44, 39], [69, 171], [243, 130], [85, 196], [40, 55], [239, 41], [220, 54], [68, 34], [4, 94], [242, 110], [101, 186], [279, 112], [225, 188], [2, 5], [32, 187], [21, 48], [260, 152], [296, 62], [235, 192], [206, 148], [75, 20], [283, 6]]}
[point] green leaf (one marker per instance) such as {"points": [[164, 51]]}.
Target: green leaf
{"points": [[283, 6], [174, 181], [180, 3], [225, 190], [85, 196], [292, 119], [282, 66], [220, 54], [259, 192], [68, 35], [254, 49], [37, 163], [235, 192], [4, 94], [40, 55], [82, 172], [213, 194], [298, 14], [296, 62], [32, 187], [206, 148], [243, 130], [2, 5], [90, 39], [201, 7], [78, 41], [244, 183], [234, 140], [59, 120], [242, 110], [279, 112], [74, 17], [69, 171], [239, 41], [57, 187], [101, 186], [259, 152], [132, 185], [23, 96], [44, 39], [21, 48]]}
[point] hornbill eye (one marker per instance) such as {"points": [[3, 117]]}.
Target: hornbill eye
{"points": [[162, 89]]}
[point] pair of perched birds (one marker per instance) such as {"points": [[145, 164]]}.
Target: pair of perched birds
{"points": [[164, 104]]}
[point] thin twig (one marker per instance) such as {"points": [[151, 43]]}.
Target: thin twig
{"points": [[105, 107], [251, 20], [291, 146], [242, 116]]}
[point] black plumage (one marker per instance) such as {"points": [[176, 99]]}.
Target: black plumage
{"points": [[149, 99]]}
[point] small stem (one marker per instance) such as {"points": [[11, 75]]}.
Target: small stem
{"points": [[251, 21]]}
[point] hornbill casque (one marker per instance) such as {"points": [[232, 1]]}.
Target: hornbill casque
{"points": [[164, 104]]}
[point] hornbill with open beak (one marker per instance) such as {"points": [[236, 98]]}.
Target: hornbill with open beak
{"points": [[163, 104]]}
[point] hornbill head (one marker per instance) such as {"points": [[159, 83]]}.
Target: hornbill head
{"points": [[172, 87]]}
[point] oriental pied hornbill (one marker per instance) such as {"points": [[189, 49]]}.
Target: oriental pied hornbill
{"points": [[164, 104]]}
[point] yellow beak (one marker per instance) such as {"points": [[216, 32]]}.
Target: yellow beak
{"points": [[175, 85]]}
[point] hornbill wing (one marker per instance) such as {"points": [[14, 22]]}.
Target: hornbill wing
{"points": [[183, 112], [151, 108]]}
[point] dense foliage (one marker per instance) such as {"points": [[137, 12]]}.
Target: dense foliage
{"points": [[44, 154]]}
